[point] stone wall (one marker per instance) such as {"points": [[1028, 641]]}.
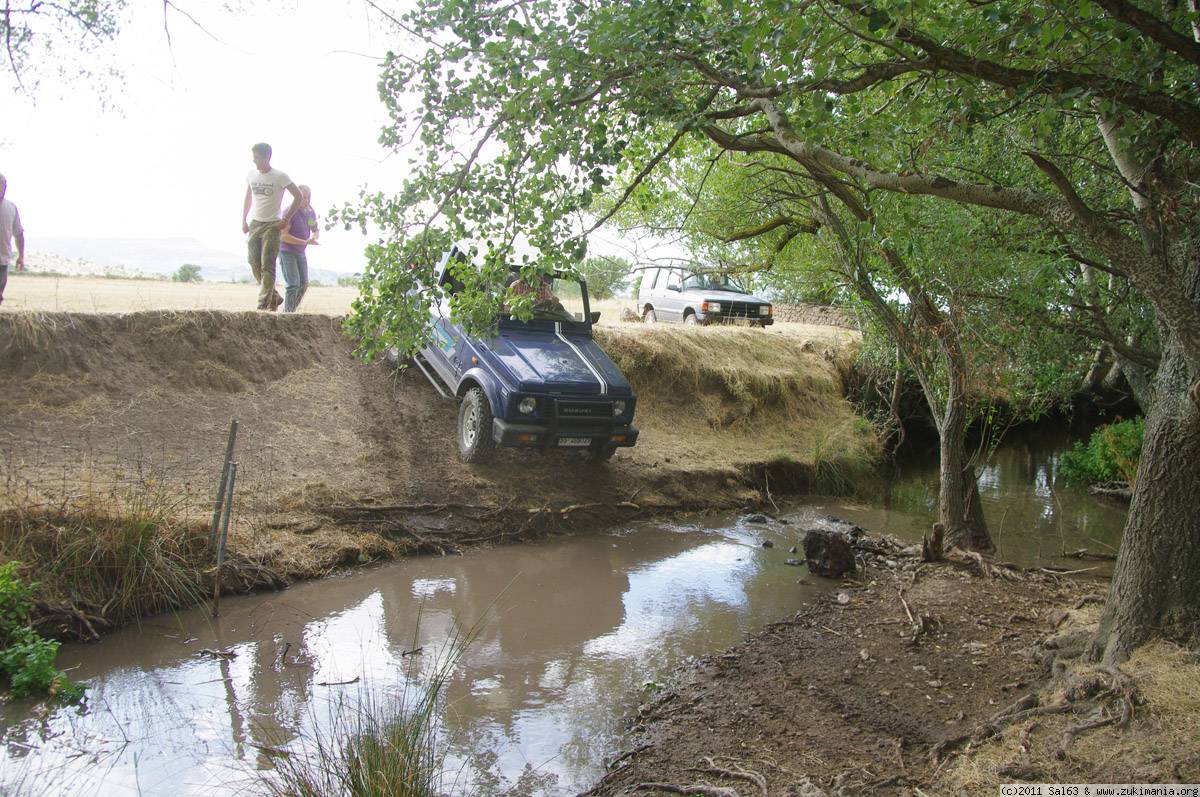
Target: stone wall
{"points": [[818, 314]]}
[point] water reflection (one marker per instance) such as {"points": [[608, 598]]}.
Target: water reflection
{"points": [[1033, 516], [571, 631]]}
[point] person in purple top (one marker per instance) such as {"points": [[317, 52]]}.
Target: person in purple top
{"points": [[302, 230]]}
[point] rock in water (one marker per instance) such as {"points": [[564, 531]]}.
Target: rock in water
{"points": [[828, 553]]}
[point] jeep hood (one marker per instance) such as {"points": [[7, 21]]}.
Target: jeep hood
{"points": [[540, 362]]}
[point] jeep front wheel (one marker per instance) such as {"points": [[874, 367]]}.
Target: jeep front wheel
{"points": [[475, 443], [601, 451], [648, 317]]}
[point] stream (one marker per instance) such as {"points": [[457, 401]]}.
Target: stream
{"points": [[570, 635]]}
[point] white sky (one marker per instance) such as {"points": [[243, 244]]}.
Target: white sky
{"points": [[170, 160]]}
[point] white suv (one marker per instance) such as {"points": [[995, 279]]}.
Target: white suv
{"points": [[673, 294]]}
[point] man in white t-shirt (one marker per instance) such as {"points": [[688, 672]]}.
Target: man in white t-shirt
{"points": [[10, 228], [264, 192]]}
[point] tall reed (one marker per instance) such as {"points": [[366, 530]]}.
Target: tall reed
{"points": [[373, 745]]}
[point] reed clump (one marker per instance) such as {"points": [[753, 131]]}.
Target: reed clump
{"points": [[373, 745]]}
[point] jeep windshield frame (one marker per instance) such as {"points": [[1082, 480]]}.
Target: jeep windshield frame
{"points": [[552, 311]]}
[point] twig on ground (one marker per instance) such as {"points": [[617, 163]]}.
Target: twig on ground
{"points": [[353, 680], [1054, 571], [627, 754], [693, 788]]}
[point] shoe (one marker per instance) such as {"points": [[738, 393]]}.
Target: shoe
{"points": [[276, 300]]}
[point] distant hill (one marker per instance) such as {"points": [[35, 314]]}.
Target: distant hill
{"points": [[39, 261], [148, 256]]}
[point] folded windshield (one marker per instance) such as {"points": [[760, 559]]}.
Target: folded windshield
{"points": [[710, 282]]}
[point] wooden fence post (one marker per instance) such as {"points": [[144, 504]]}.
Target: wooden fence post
{"points": [[233, 466], [216, 516]]}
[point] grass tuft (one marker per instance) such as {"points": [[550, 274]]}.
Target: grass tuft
{"points": [[111, 560], [373, 746]]}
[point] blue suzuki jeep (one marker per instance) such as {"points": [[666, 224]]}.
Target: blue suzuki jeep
{"points": [[542, 383]]}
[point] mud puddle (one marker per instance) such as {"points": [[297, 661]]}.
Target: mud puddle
{"points": [[573, 633]]}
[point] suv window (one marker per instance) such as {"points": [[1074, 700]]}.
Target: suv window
{"points": [[673, 279], [653, 277], [711, 282]]}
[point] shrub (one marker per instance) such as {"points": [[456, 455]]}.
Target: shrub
{"points": [[25, 657], [1111, 454], [188, 272], [350, 281], [606, 276]]}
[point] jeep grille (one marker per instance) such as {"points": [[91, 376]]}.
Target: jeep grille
{"points": [[584, 410]]}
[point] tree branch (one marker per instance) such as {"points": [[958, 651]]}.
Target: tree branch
{"points": [[1054, 82], [799, 225], [1153, 27]]}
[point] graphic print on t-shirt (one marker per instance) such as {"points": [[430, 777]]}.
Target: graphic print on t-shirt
{"points": [[267, 190]]}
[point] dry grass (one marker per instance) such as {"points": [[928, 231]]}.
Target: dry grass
{"points": [[735, 396], [1161, 744], [102, 561], [99, 295]]}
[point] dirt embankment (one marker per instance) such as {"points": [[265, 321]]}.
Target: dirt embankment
{"points": [[342, 462]]}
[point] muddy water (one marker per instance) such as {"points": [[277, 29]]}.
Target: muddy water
{"points": [[1033, 516], [571, 631]]}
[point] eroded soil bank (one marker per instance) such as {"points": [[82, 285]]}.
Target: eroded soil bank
{"points": [[115, 426], [947, 678]]}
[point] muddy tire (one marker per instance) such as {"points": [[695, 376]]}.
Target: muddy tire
{"points": [[475, 443], [601, 452], [648, 317]]}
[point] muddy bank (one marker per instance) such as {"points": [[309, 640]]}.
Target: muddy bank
{"points": [[112, 417], [946, 678]]}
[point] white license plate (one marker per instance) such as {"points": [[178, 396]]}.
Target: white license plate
{"points": [[574, 442]]}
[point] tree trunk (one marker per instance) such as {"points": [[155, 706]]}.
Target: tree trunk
{"points": [[1156, 583], [1096, 373], [959, 509]]}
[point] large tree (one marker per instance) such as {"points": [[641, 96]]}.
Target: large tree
{"points": [[563, 99]]}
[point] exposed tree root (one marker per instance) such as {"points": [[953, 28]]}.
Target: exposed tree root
{"points": [[1093, 688], [1070, 733], [739, 773], [932, 546]]}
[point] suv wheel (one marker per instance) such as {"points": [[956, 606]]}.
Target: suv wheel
{"points": [[648, 317], [601, 452], [475, 443], [690, 319]]}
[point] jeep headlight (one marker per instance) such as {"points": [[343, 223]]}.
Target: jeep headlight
{"points": [[527, 405], [764, 309], [714, 307], [618, 408]]}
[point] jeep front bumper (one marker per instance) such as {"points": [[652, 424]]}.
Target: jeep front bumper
{"points": [[507, 433]]}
